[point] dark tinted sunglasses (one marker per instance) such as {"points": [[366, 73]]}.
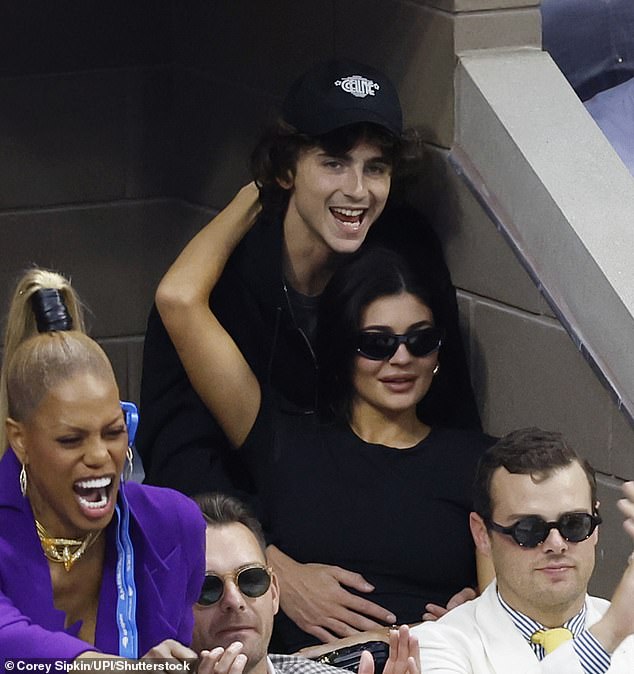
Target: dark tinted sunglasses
{"points": [[253, 581], [383, 345], [530, 531]]}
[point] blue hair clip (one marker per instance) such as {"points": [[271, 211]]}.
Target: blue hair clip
{"points": [[131, 419]]}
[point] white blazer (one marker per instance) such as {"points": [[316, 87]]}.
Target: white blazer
{"points": [[479, 637]]}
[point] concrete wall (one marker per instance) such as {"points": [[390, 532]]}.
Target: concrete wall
{"points": [[87, 158], [539, 206], [123, 125]]}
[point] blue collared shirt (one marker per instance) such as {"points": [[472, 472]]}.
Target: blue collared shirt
{"points": [[593, 657]]}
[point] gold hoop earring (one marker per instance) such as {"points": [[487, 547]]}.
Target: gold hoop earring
{"points": [[128, 470], [23, 480], [435, 370]]}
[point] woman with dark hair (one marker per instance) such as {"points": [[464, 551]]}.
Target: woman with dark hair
{"points": [[364, 499], [373, 274], [325, 172]]}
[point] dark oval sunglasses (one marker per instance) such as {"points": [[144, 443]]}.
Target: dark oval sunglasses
{"points": [[383, 345], [253, 581], [530, 531]]}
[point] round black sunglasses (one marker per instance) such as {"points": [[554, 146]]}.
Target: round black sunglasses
{"points": [[377, 345], [252, 580], [530, 531]]}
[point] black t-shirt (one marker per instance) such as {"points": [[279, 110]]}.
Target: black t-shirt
{"points": [[400, 517], [305, 309]]}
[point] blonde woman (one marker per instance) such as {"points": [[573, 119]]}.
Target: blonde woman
{"points": [[22, 321]]}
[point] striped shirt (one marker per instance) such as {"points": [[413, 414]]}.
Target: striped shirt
{"points": [[593, 657]]}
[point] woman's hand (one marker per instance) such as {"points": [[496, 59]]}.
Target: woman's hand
{"points": [[486, 573], [435, 611], [404, 655], [170, 649], [314, 597]]}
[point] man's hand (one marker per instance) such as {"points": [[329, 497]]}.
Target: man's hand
{"points": [[230, 660], [314, 597], [435, 611], [404, 655], [618, 621], [626, 506]]}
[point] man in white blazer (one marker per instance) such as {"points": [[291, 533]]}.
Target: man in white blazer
{"points": [[536, 517]]}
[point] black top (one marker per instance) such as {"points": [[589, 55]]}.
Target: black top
{"points": [[178, 439], [400, 517]]}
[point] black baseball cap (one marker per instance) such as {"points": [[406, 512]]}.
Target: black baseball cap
{"points": [[340, 92]]}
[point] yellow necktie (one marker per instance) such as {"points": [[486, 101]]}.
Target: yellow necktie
{"points": [[551, 639]]}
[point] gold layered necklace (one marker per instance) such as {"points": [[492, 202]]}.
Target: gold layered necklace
{"points": [[65, 551]]}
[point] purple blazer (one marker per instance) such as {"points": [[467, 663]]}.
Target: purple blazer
{"points": [[168, 536]]}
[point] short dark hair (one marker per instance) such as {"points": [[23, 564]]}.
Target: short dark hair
{"points": [[275, 156], [220, 509], [370, 274], [527, 451]]}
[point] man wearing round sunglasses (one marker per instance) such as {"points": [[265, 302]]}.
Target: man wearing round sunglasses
{"points": [[233, 618], [536, 517]]}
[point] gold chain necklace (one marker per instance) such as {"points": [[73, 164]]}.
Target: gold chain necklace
{"points": [[65, 551]]}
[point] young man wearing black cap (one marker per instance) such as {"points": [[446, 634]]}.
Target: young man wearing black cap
{"points": [[324, 174]]}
